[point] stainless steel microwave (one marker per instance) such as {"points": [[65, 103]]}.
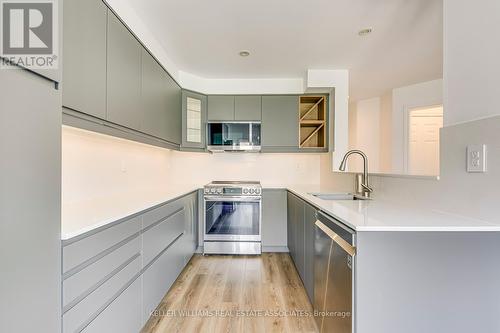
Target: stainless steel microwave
{"points": [[233, 136]]}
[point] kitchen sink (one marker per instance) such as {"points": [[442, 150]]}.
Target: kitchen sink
{"points": [[338, 196]]}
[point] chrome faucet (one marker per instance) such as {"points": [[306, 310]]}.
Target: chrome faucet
{"points": [[362, 187]]}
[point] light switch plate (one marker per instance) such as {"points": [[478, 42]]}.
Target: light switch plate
{"points": [[476, 158]]}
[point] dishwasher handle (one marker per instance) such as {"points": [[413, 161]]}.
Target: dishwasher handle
{"points": [[351, 250]]}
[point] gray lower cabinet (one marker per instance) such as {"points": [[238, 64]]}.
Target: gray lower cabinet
{"points": [[301, 219], [114, 277], [290, 210], [161, 101], [299, 230], [248, 108], [280, 123], [274, 220], [158, 278], [220, 108], [84, 62], [123, 314], [123, 75], [309, 225]]}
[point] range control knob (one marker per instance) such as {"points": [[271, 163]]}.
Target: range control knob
{"points": [[245, 191], [252, 191], [257, 191]]}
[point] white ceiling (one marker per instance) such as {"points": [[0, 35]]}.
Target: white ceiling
{"points": [[287, 37]]}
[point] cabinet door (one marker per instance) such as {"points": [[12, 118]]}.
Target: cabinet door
{"points": [[122, 315], [30, 176], [274, 218], [290, 224], [309, 222], [161, 101], [220, 108], [190, 226], [159, 277], [280, 122], [173, 95], [123, 75], [194, 114], [154, 98], [299, 237], [84, 61], [248, 108]]}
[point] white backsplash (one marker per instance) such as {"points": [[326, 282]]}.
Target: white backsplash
{"points": [[269, 169], [96, 165]]}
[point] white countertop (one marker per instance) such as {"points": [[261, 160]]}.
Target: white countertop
{"points": [[83, 216], [360, 215], [377, 215]]}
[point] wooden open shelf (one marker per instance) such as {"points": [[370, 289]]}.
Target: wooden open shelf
{"points": [[312, 121]]}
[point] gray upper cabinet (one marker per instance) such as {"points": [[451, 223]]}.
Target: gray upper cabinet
{"points": [[220, 108], [280, 122], [84, 62], [174, 110], [248, 108], [161, 101], [194, 117], [123, 75]]}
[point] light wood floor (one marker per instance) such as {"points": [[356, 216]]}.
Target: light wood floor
{"points": [[235, 294]]}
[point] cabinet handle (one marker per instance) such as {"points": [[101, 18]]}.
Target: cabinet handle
{"points": [[351, 250]]}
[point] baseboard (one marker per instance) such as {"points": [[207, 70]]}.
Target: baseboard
{"points": [[264, 249], [275, 249]]}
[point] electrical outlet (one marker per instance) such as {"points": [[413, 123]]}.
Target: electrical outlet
{"points": [[476, 158]]}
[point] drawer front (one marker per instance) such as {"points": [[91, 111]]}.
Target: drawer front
{"points": [[160, 235], [158, 214], [92, 305], [160, 276], [78, 285], [84, 249], [122, 316]]}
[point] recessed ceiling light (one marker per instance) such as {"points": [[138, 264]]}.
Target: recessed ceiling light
{"points": [[244, 53], [365, 31]]}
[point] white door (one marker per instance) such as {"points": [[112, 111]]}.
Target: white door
{"points": [[424, 125]]}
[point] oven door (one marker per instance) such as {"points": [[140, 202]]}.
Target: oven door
{"points": [[232, 218]]}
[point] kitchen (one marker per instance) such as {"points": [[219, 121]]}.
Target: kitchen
{"points": [[341, 183]]}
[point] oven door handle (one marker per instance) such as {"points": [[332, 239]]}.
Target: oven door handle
{"points": [[233, 198]]}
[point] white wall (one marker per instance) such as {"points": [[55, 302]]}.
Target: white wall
{"points": [[405, 98], [100, 166], [471, 56], [385, 122], [471, 85], [269, 169], [365, 133]]}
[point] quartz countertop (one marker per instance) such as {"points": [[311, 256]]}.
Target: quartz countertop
{"points": [[379, 215], [360, 215], [83, 216]]}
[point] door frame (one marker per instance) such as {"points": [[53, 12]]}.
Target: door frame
{"points": [[406, 131]]}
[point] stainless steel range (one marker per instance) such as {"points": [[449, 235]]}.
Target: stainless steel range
{"points": [[232, 223]]}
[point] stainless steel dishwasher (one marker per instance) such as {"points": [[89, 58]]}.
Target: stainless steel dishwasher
{"points": [[333, 275]]}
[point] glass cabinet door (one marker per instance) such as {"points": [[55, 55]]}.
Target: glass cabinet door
{"points": [[193, 119]]}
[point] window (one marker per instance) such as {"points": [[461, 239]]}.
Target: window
{"points": [[193, 133]]}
